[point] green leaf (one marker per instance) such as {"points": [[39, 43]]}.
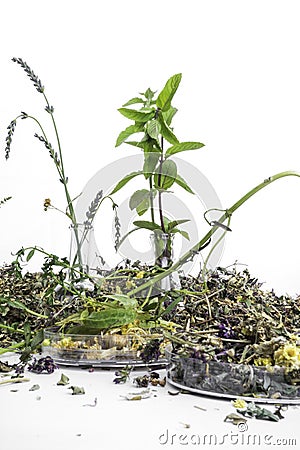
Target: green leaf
{"points": [[183, 233], [110, 317], [133, 101], [174, 223], [169, 114], [143, 206], [138, 197], [171, 306], [182, 183], [132, 129], [150, 162], [167, 175], [30, 254], [153, 128], [166, 131], [147, 225], [37, 339], [27, 333], [135, 144], [149, 94], [125, 180], [35, 387], [125, 300], [183, 147], [166, 95], [139, 116]]}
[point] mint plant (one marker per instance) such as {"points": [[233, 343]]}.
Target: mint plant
{"points": [[153, 121]]}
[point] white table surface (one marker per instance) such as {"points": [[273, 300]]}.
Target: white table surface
{"points": [[60, 421]]}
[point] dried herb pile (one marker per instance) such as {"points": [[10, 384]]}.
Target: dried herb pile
{"points": [[229, 317], [234, 319]]}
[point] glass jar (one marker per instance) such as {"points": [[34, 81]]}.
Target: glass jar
{"points": [[163, 248]]}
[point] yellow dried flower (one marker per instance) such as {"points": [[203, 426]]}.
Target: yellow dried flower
{"points": [[263, 361], [140, 274], [288, 355], [130, 284], [47, 203], [118, 290], [239, 403]]}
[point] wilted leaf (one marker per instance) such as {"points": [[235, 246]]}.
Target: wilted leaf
{"points": [[63, 380], [76, 390]]}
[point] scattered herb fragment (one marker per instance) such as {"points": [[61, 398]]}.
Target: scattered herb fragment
{"points": [[137, 396], [5, 367], [35, 387], [153, 378], [122, 375], [15, 380], [92, 404], [63, 380], [200, 407], [235, 419], [76, 390]]}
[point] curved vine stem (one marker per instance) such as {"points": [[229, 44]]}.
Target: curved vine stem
{"points": [[197, 247]]}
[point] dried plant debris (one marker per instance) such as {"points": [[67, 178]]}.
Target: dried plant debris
{"points": [[92, 405], [225, 327], [5, 367], [122, 375], [44, 364], [251, 410], [236, 338], [146, 393], [153, 378], [64, 380], [76, 390]]}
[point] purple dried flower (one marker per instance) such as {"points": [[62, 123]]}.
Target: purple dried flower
{"points": [[225, 331], [45, 364]]}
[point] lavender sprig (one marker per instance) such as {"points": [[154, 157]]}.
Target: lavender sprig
{"points": [[34, 78], [117, 227], [11, 129], [49, 147], [93, 208]]}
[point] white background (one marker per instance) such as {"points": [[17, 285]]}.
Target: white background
{"points": [[240, 95]]}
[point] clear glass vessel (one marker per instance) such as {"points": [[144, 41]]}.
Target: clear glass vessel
{"points": [[107, 350], [163, 248]]}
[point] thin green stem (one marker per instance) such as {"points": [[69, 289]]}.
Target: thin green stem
{"points": [[11, 348], [196, 248], [14, 330], [15, 380], [160, 206], [210, 253], [151, 200]]}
